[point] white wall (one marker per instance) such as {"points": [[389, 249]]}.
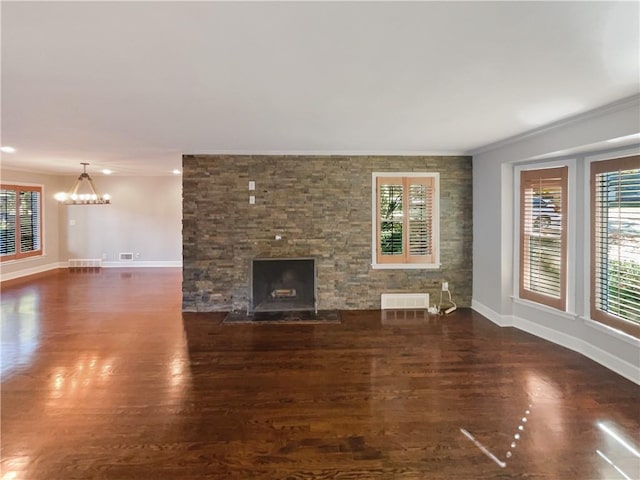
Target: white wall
{"points": [[144, 218], [51, 247], [494, 236]]}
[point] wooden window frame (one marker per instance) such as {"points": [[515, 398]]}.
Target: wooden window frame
{"points": [[406, 261], [19, 254], [526, 178], [598, 167]]}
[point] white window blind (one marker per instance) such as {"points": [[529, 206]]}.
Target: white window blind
{"points": [[543, 236], [615, 262], [405, 216], [20, 221], [29, 221], [7, 222]]}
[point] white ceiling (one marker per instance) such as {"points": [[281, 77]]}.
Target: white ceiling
{"points": [[131, 86]]}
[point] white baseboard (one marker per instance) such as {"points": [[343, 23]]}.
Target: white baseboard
{"points": [[627, 370], [495, 317], [595, 353], [32, 271], [25, 272], [559, 338], [142, 264]]}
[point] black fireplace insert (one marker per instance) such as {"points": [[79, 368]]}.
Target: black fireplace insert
{"points": [[283, 285]]}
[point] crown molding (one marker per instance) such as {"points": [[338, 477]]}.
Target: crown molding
{"points": [[622, 104], [332, 153]]}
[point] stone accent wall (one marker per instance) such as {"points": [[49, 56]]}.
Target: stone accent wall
{"points": [[321, 207]]}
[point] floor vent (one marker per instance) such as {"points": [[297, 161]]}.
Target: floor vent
{"points": [[391, 301], [126, 257], [84, 263]]}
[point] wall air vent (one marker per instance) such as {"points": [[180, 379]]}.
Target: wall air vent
{"points": [[126, 257], [84, 263], [404, 300]]}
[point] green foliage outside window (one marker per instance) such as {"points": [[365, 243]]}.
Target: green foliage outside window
{"points": [[391, 221], [623, 298]]}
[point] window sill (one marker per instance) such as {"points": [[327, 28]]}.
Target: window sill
{"points": [[405, 266], [612, 330]]}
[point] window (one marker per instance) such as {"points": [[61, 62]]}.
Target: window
{"points": [[615, 243], [543, 236], [20, 221], [406, 220]]}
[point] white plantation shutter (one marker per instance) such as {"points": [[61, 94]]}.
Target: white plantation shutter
{"points": [[391, 217], [543, 236], [405, 220], [615, 252], [420, 200], [420, 211], [20, 221]]}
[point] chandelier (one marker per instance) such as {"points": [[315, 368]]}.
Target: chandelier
{"points": [[83, 193]]}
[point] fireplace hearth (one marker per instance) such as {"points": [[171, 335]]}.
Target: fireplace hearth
{"points": [[283, 285]]}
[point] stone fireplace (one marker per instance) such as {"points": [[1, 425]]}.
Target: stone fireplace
{"points": [[309, 207], [283, 284]]}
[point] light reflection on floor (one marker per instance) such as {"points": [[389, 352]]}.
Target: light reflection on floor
{"points": [[514, 443], [15, 468], [618, 452], [89, 374], [619, 455], [20, 324]]}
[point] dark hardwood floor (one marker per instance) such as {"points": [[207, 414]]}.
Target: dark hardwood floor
{"points": [[104, 378]]}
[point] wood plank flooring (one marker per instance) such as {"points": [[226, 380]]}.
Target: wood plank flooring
{"points": [[104, 378]]}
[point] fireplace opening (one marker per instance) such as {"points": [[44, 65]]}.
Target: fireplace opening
{"points": [[283, 285]]}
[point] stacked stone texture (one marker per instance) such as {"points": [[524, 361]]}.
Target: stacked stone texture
{"points": [[321, 207]]}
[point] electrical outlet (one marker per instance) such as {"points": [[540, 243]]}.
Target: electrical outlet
{"points": [[445, 286]]}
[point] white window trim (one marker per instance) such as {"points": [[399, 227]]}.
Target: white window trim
{"points": [[436, 222], [571, 226]]}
